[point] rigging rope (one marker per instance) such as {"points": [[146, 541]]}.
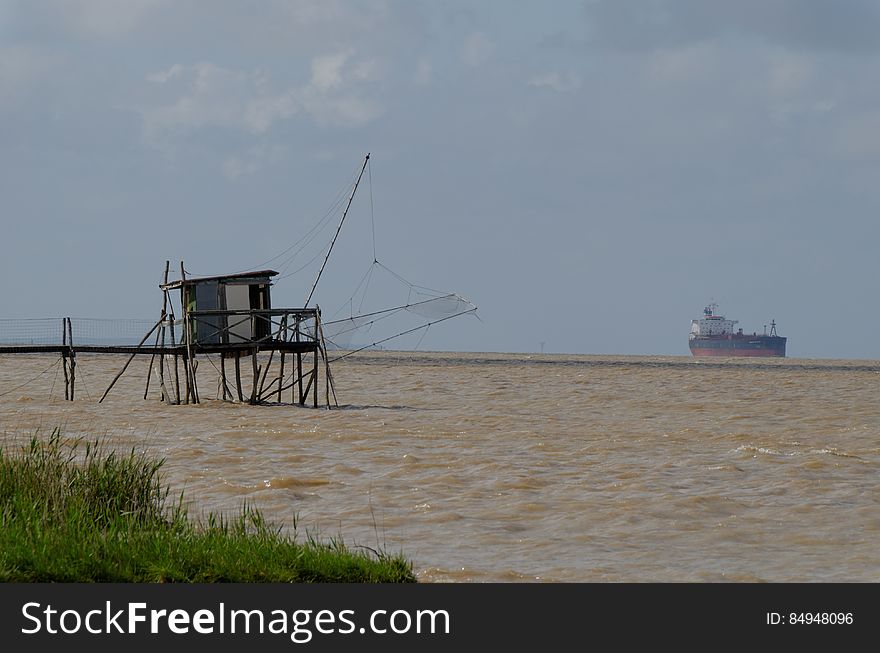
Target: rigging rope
{"points": [[399, 308], [18, 387], [300, 269], [82, 377], [402, 333], [54, 379], [372, 218], [338, 229], [305, 240]]}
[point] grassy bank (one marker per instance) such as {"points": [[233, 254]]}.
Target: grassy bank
{"points": [[76, 512]]}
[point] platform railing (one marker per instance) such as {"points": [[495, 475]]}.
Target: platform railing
{"points": [[264, 326]]}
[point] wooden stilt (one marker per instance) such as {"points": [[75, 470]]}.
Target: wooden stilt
{"points": [[64, 358], [150, 368], [238, 376], [320, 349], [188, 390], [128, 362], [308, 387], [176, 381], [299, 365], [281, 377], [254, 388], [298, 386], [195, 371], [171, 321], [72, 359], [265, 372], [163, 390], [315, 377], [192, 390], [223, 374], [328, 376], [164, 393], [284, 335], [187, 368]]}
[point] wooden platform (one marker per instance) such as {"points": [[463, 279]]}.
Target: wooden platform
{"points": [[303, 347]]}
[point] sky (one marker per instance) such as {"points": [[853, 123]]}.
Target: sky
{"points": [[591, 174]]}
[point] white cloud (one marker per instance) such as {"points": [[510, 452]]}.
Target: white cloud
{"points": [[349, 111], [261, 112], [477, 49], [214, 97], [557, 82], [251, 162], [162, 77], [206, 95], [369, 70], [327, 71]]}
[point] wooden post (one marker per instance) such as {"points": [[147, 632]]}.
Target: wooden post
{"points": [[128, 362], [192, 390], [280, 376], [299, 364], [195, 371], [275, 336], [315, 376], [259, 380], [150, 368], [328, 376], [64, 358], [238, 375], [163, 390], [266, 371], [176, 381], [164, 397], [186, 334], [283, 338], [255, 387], [160, 337], [308, 387], [319, 338], [174, 344], [72, 359], [223, 374]]}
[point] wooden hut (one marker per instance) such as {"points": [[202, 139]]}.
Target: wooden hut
{"points": [[234, 298]]}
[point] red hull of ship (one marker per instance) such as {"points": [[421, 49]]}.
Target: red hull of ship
{"points": [[737, 353]]}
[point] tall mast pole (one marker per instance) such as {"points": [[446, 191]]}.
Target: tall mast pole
{"points": [[333, 242]]}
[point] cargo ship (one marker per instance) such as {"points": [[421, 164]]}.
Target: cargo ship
{"points": [[714, 335]]}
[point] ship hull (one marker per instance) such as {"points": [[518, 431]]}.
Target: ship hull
{"points": [[746, 346]]}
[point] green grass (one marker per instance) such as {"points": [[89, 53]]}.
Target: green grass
{"points": [[72, 511]]}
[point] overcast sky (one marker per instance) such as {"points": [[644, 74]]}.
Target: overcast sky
{"points": [[589, 173]]}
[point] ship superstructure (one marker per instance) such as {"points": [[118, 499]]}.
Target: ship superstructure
{"points": [[715, 335]]}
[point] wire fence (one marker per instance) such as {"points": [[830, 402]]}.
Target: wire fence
{"points": [[86, 331]]}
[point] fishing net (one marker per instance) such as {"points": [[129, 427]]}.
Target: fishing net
{"points": [[364, 320], [372, 329], [86, 331]]}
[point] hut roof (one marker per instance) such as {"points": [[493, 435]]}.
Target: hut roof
{"points": [[241, 276]]}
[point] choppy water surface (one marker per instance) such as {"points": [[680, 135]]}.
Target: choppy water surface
{"points": [[506, 467]]}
